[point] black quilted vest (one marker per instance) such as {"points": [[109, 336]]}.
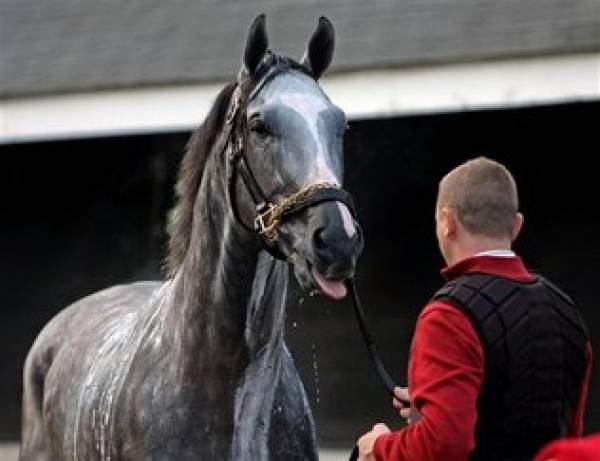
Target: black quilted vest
{"points": [[534, 344]]}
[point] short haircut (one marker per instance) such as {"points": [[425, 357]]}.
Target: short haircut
{"points": [[483, 194]]}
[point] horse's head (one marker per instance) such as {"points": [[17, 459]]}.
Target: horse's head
{"points": [[290, 137]]}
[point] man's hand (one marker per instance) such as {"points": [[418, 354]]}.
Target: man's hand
{"points": [[367, 442], [402, 404]]}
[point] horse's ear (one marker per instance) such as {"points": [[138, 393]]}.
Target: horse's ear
{"points": [[319, 51], [256, 45]]}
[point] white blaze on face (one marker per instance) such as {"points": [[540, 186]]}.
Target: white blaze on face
{"points": [[308, 107], [347, 220]]}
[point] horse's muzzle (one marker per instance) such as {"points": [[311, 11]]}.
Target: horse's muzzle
{"points": [[332, 249]]}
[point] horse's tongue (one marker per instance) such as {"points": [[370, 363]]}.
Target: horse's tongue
{"points": [[333, 289]]}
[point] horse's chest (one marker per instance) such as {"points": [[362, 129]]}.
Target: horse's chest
{"points": [[168, 420]]}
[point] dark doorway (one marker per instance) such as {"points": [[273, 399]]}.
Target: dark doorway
{"points": [[82, 215]]}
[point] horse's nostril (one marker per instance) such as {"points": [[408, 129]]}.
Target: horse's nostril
{"points": [[333, 252], [318, 239]]}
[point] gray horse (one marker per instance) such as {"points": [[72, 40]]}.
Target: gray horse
{"points": [[196, 367]]}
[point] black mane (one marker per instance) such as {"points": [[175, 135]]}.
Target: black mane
{"points": [[189, 178], [198, 149]]}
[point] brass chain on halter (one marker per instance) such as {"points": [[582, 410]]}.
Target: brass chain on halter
{"points": [[268, 222]]}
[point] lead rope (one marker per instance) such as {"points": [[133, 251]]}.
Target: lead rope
{"points": [[382, 373]]}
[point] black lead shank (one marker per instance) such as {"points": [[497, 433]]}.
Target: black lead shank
{"points": [[382, 373]]}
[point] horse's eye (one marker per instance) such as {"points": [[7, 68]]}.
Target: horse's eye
{"points": [[259, 127]]}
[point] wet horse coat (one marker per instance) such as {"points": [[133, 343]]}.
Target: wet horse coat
{"points": [[196, 367]]}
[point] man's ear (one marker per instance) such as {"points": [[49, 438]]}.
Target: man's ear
{"points": [[319, 51], [517, 226], [449, 221], [256, 45]]}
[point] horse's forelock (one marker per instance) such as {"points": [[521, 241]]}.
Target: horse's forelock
{"points": [[189, 179]]}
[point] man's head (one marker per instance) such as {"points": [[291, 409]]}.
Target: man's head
{"points": [[476, 210]]}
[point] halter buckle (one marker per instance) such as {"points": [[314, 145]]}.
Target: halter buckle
{"points": [[267, 222]]}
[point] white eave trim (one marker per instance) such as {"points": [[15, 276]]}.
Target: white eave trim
{"points": [[365, 94]]}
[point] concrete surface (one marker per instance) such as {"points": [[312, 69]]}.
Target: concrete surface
{"points": [[9, 452]]}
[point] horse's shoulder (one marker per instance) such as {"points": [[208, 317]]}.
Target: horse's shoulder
{"points": [[130, 295]]}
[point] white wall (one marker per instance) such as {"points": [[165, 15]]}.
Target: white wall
{"points": [[366, 94]]}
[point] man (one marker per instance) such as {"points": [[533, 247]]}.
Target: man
{"points": [[500, 359]]}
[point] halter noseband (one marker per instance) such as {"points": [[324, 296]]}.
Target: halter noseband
{"points": [[270, 216]]}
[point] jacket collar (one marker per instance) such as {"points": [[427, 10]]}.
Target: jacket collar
{"points": [[511, 267]]}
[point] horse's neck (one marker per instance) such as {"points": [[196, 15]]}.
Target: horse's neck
{"points": [[228, 296]]}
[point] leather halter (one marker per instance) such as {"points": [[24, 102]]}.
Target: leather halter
{"points": [[269, 216]]}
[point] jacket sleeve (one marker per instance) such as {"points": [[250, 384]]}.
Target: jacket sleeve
{"points": [[445, 376]]}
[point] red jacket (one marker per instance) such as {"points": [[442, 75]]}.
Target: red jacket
{"points": [[445, 377], [586, 449]]}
